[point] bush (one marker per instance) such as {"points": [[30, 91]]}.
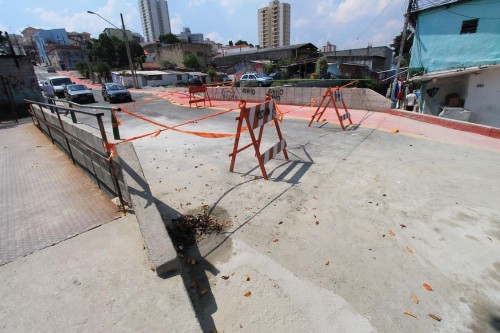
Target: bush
{"points": [[165, 64], [82, 68]]}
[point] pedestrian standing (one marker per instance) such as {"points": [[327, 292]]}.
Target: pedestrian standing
{"points": [[411, 98], [50, 94]]}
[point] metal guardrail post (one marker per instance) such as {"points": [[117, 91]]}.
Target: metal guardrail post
{"points": [[73, 116], [111, 164], [114, 125], [65, 136]]}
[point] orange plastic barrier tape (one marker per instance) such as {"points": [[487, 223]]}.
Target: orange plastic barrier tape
{"points": [[174, 128]]}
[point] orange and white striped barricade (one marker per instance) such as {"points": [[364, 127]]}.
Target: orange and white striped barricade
{"points": [[332, 95], [257, 117], [195, 98]]}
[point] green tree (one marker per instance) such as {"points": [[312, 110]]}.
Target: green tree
{"points": [[104, 49], [169, 39], [137, 54], [102, 68], [241, 42], [396, 44], [212, 74], [82, 68], [165, 64], [268, 69], [230, 43], [322, 67], [2, 37], [191, 61]]}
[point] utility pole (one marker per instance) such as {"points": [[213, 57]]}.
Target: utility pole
{"points": [[411, 4], [134, 78]]}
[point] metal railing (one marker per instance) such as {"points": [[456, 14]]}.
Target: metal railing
{"points": [[70, 139], [114, 121]]}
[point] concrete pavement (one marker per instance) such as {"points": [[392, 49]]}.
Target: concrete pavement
{"points": [[68, 261], [342, 238]]}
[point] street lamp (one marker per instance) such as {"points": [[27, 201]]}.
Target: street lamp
{"points": [[134, 79]]}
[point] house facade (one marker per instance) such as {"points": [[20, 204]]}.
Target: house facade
{"points": [[370, 61], [175, 53], [456, 53], [149, 78], [65, 57], [302, 56], [45, 37]]}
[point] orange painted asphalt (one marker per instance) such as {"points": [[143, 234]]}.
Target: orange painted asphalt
{"points": [[389, 121]]}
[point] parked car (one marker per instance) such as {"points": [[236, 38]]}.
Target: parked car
{"points": [[255, 79], [275, 76], [114, 92], [194, 80], [41, 83], [59, 82], [78, 93]]}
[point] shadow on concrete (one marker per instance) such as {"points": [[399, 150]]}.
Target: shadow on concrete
{"points": [[193, 269], [495, 323], [227, 235]]}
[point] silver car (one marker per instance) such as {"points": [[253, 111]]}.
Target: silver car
{"points": [[255, 80]]}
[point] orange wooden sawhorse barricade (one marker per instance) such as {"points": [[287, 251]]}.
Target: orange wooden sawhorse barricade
{"points": [[333, 95], [193, 98], [257, 117]]}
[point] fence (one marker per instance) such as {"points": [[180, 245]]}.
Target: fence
{"points": [[85, 145]]}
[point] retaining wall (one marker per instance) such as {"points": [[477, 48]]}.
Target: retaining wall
{"points": [[354, 98], [89, 137]]}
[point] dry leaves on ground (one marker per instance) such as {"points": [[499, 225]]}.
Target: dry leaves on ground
{"points": [[410, 314], [248, 293], [428, 287], [415, 299], [434, 317]]}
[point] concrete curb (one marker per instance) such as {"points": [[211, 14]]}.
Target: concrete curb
{"points": [[449, 123], [161, 252]]}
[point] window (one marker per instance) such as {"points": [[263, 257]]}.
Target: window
{"points": [[154, 77], [179, 77], [469, 26], [199, 54]]}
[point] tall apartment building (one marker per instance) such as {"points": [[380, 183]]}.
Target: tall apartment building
{"points": [[155, 18], [274, 25]]}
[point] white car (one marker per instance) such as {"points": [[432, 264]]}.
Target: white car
{"points": [[59, 82], [41, 83]]}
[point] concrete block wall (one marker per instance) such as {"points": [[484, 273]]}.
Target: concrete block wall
{"points": [[88, 137], [17, 83], [355, 98]]}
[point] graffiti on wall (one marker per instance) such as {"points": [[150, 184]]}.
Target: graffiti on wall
{"points": [[229, 94], [275, 93], [249, 91]]}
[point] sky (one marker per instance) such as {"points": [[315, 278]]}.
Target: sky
{"points": [[344, 23]]}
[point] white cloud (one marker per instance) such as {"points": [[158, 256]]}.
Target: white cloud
{"points": [[216, 37], [176, 23], [324, 7], [196, 3], [351, 10], [83, 21], [301, 22]]}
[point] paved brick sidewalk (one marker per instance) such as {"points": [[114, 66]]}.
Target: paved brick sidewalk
{"points": [[44, 198]]}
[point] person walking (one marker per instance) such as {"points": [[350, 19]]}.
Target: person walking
{"points": [[50, 94], [411, 98]]}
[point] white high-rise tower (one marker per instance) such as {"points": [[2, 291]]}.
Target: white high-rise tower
{"points": [[155, 18], [274, 25]]}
